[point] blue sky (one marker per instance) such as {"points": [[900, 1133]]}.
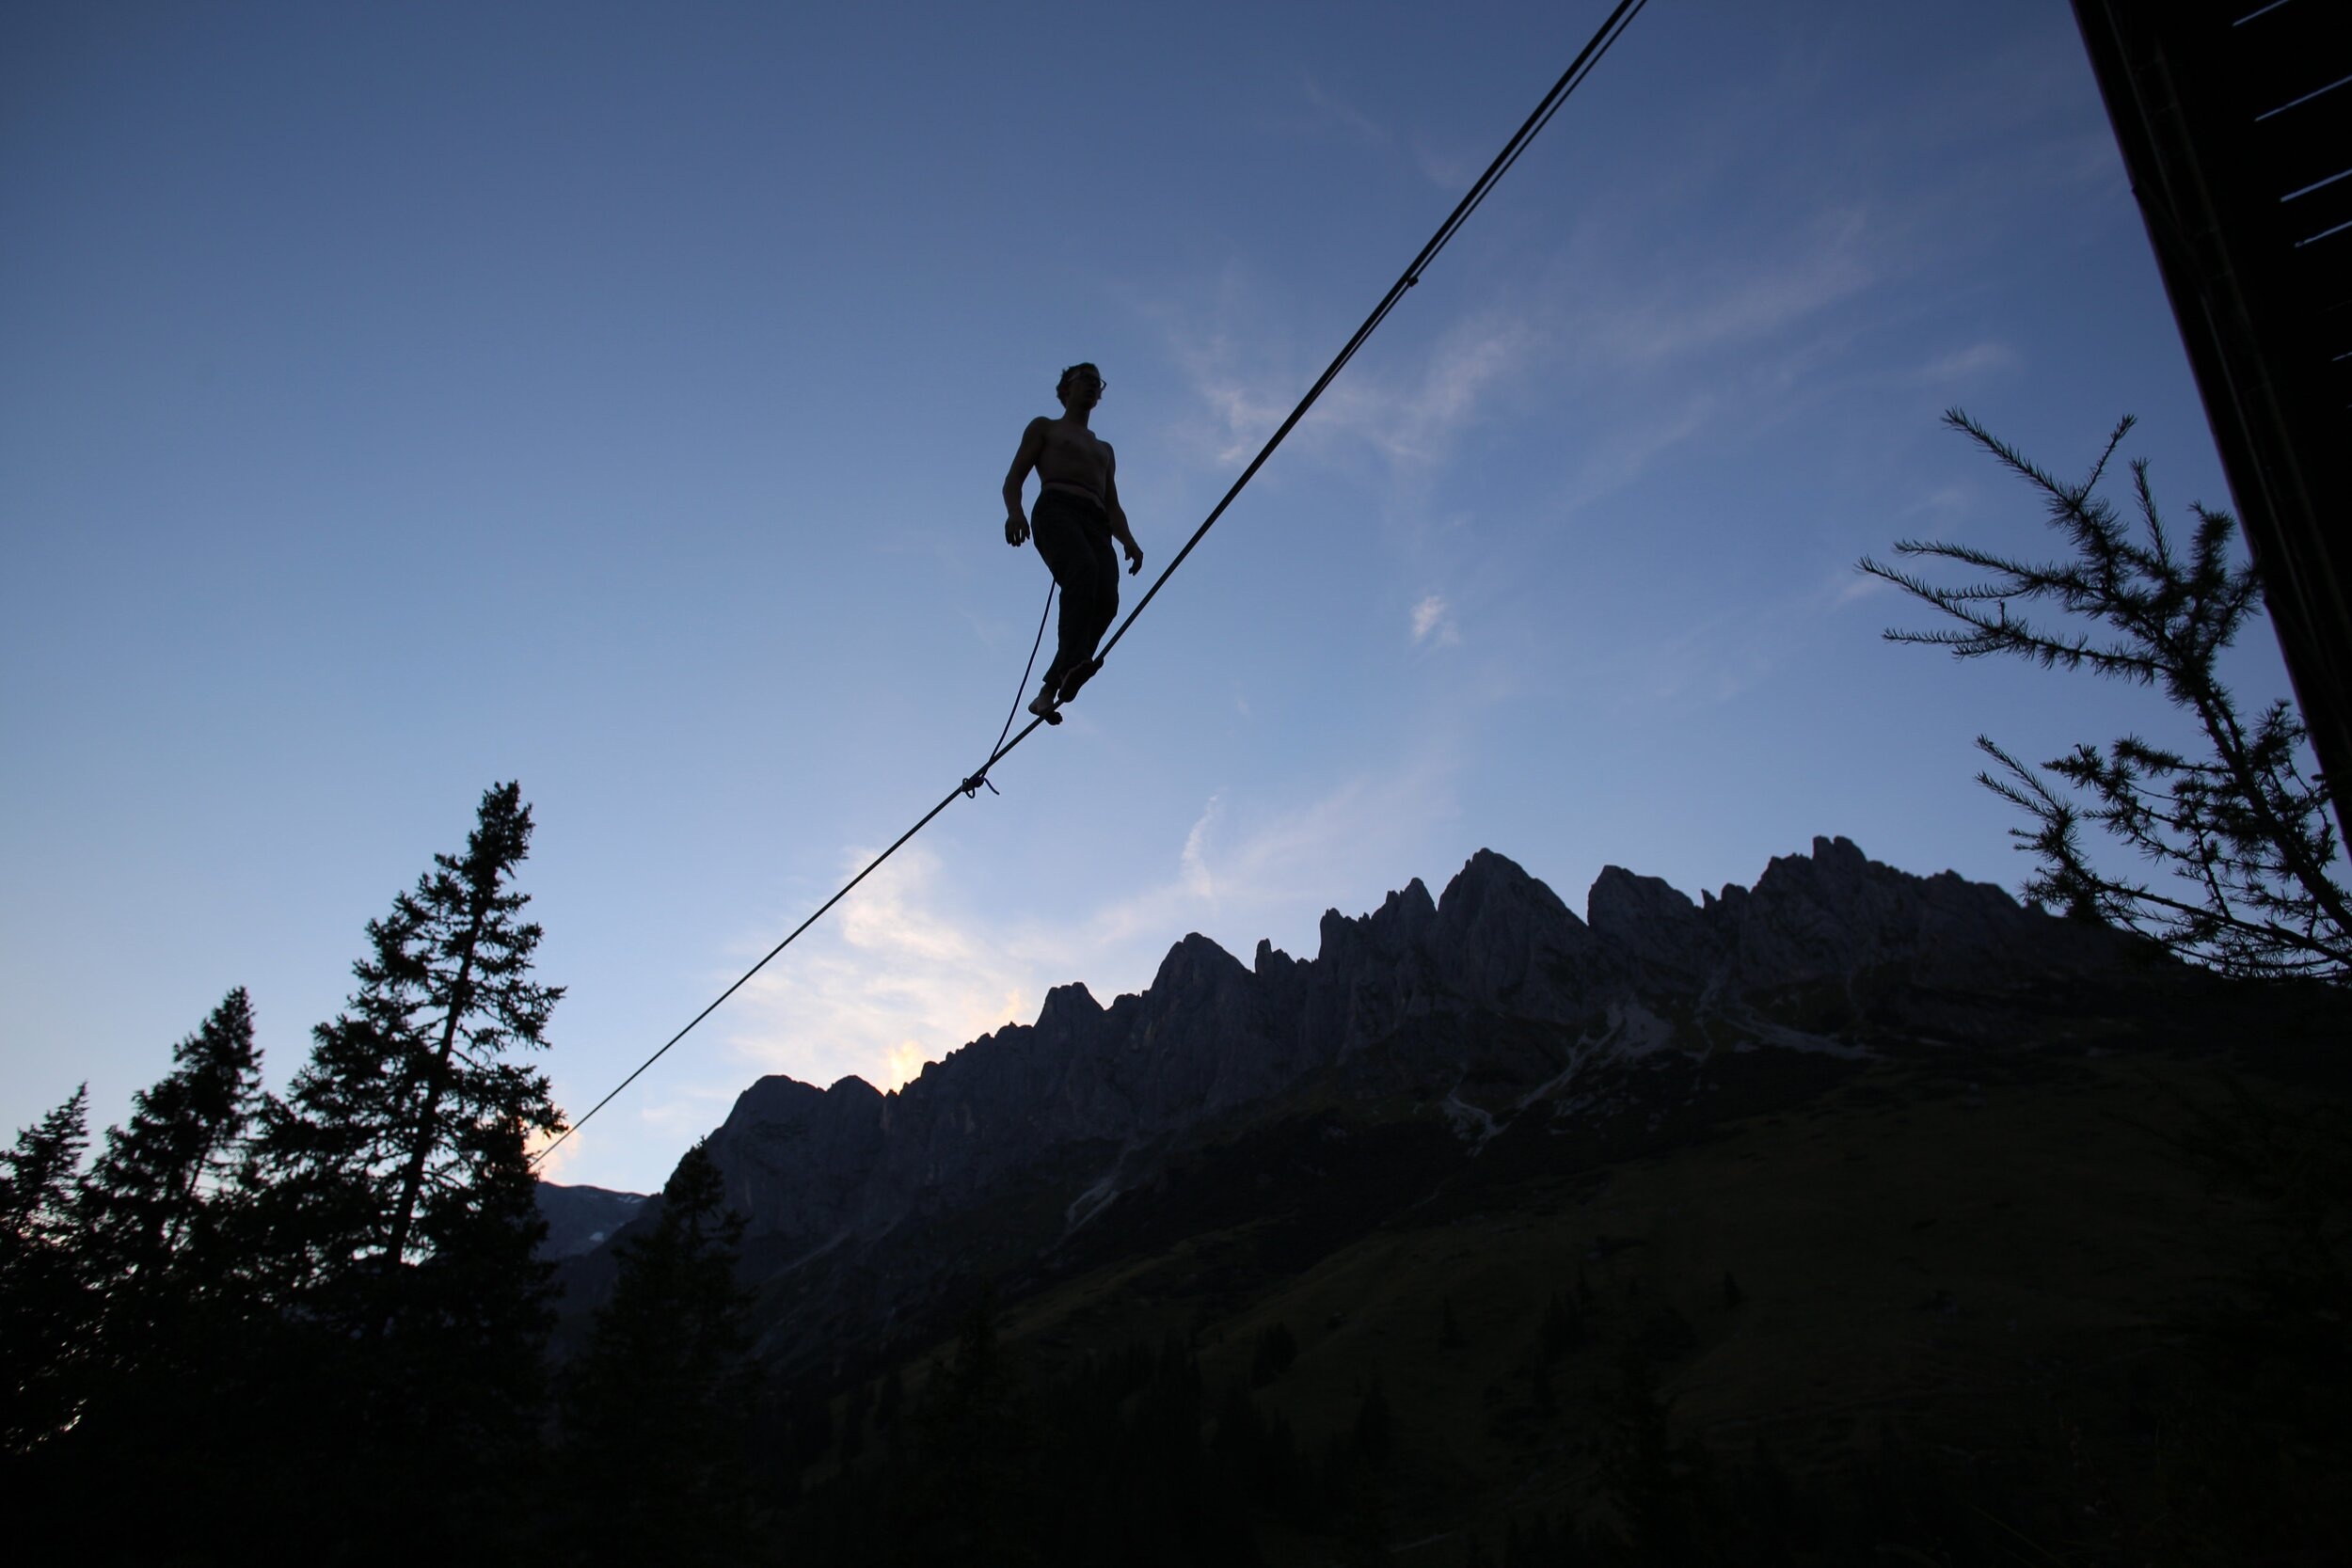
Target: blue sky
{"points": [[399, 399]]}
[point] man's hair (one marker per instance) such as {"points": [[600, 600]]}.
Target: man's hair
{"points": [[1061, 388]]}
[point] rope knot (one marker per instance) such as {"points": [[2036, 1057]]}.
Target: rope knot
{"points": [[971, 786]]}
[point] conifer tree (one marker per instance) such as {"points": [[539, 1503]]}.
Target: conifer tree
{"points": [[1656, 1488], [977, 1499], [657, 1409], [399, 1208], [156, 1197], [45, 1295], [171, 1340], [171, 1331], [1272, 1355], [403, 1117]]}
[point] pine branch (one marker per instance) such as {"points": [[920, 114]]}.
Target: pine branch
{"points": [[2241, 834]]}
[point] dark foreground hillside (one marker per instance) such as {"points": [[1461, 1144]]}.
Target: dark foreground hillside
{"points": [[1954, 1313]]}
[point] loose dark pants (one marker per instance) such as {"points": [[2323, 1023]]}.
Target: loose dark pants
{"points": [[1073, 534]]}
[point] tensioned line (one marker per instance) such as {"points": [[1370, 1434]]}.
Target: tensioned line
{"points": [[1588, 58]]}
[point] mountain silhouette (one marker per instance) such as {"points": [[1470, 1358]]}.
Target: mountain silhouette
{"points": [[1487, 1024]]}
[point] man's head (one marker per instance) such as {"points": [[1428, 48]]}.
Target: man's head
{"points": [[1080, 382]]}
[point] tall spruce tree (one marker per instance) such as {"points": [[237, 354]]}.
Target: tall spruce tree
{"points": [[657, 1409], [398, 1202], [158, 1194], [46, 1298], [161, 1241], [170, 1345], [407, 1110]]}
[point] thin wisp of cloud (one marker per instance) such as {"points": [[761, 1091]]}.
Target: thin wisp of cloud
{"points": [[1413, 420], [1433, 618]]}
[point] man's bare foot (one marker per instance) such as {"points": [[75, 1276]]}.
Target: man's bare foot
{"points": [[1077, 677], [1043, 704]]}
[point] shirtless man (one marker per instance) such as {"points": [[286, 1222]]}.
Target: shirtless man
{"points": [[1076, 516]]}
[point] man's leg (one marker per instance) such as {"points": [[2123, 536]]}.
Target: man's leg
{"points": [[1101, 569], [1062, 539]]}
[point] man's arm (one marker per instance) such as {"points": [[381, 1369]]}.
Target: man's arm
{"points": [[1032, 446], [1117, 513]]}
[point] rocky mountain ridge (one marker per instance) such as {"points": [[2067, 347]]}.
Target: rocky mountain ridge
{"points": [[1482, 1003]]}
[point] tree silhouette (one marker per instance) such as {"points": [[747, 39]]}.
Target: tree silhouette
{"points": [[657, 1408], [1653, 1486], [172, 1339], [2241, 838], [407, 1101], [979, 1499], [396, 1210], [1272, 1355], [46, 1300], [158, 1197]]}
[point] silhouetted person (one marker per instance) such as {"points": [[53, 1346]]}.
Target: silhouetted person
{"points": [[1075, 518]]}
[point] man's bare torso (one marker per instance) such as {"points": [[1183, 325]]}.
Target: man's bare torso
{"points": [[1072, 457], [1069, 458]]}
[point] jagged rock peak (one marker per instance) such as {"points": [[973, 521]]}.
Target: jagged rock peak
{"points": [[1411, 908], [1487, 880], [1649, 918], [1622, 899], [1194, 955], [1838, 870], [1068, 1005], [1839, 851], [776, 1097]]}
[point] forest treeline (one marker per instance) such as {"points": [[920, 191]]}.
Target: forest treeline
{"points": [[313, 1317], [253, 1326]]}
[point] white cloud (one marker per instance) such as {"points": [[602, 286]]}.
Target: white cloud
{"points": [[1944, 501], [552, 1166], [1675, 314], [1339, 111], [1451, 172], [1196, 877], [1283, 867], [1862, 586], [1612, 464], [895, 977], [1450, 169], [1626, 334], [908, 976], [1434, 618], [1411, 420], [1965, 364]]}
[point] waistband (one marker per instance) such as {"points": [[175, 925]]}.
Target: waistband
{"points": [[1071, 496]]}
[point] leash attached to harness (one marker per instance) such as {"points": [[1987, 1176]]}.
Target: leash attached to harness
{"points": [[971, 786]]}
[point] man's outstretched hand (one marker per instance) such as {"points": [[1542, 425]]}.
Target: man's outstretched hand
{"points": [[1135, 556], [1016, 532]]}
